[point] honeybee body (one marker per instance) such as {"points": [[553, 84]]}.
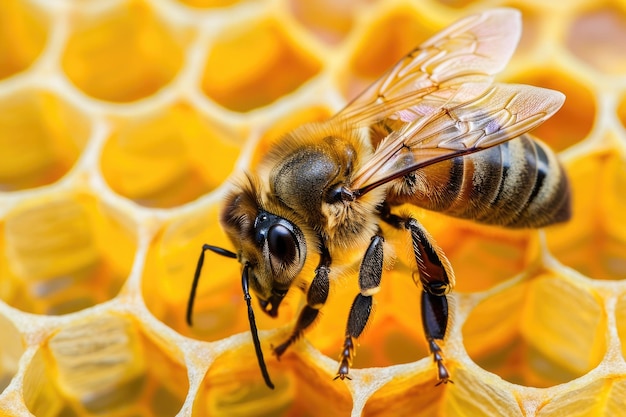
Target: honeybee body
{"points": [[519, 183], [436, 132]]}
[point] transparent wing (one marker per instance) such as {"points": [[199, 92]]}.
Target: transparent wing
{"points": [[470, 50], [476, 117]]}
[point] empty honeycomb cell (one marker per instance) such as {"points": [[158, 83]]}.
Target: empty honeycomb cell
{"points": [[41, 137], [254, 65], [234, 387], [105, 366], [508, 333], [23, 35], [10, 351], [168, 158], [598, 38], [573, 122], [393, 35], [63, 254], [123, 54], [594, 242], [328, 20]]}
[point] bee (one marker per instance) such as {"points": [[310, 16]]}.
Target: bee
{"points": [[435, 131]]}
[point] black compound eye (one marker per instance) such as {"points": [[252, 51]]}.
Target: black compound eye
{"points": [[282, 243]]}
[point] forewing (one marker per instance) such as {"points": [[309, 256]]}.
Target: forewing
{"points": [[477, 117], [470, 50]]}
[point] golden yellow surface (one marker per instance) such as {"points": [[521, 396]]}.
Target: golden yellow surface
{"points": [[121, 120]]}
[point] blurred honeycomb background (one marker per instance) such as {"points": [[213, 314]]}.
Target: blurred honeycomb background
{"points": [[120, 121]]}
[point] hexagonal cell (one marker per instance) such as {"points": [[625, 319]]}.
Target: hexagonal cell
{"points": [[539, 332], [328, 20], [233, 386], [168, 158], [598, 37], [220, 310], [594, 241], [105, 366], [573, 122], [391, 37], [63, 254], [10, 352], [41, 137], [122, 54], [255, 64], [23, 36]]}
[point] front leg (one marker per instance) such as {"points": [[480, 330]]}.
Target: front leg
{"points": [[315, 299], [370, 275]]}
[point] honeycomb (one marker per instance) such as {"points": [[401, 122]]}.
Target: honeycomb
{"points": [[120, 122]]}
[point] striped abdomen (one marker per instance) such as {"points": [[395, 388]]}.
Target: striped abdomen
{"points": [[519, 183]]}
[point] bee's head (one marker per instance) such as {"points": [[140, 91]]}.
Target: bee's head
{"points": [[271, 246]]}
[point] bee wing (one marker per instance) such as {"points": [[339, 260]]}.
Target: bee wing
{"points": [[472, 49], [476, 117]]}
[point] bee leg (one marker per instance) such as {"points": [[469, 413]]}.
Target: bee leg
{"points": [[433, 269], [370, 275], [435, 321], [435, 274], [315, 298]]}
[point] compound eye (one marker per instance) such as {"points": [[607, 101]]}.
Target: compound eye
{"points": [[282, 243]]}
